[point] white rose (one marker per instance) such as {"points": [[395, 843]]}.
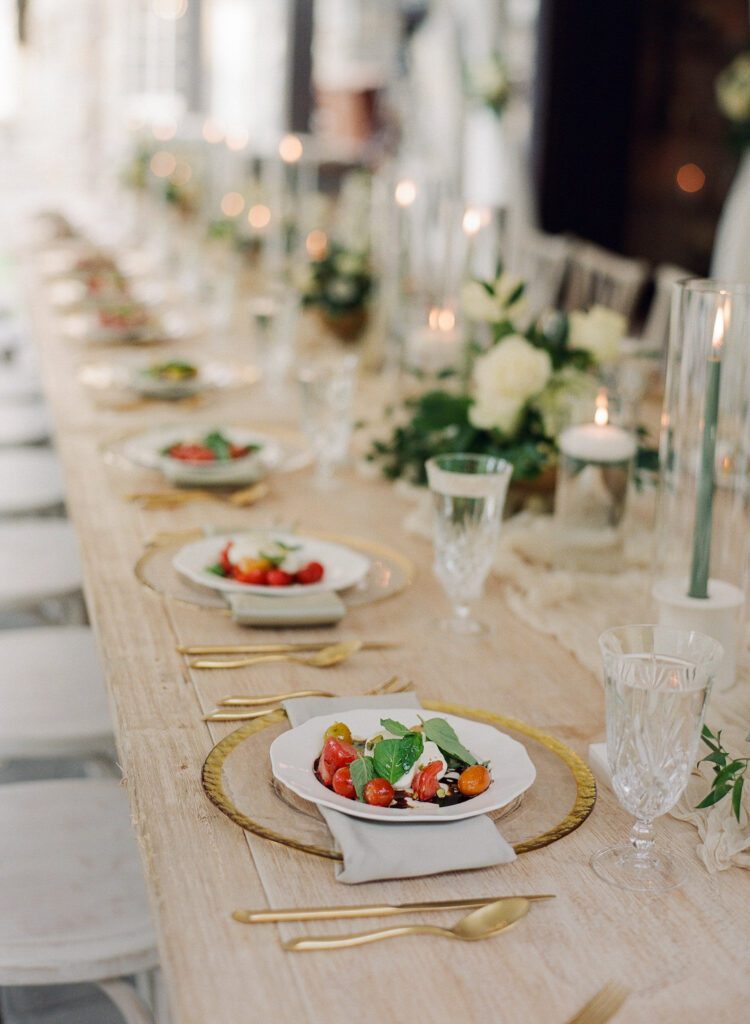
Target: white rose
{"points": [[495, 412], [733, 90], [598, 332], [478, 304], [505, 378], [341, 289], [490, 80]]}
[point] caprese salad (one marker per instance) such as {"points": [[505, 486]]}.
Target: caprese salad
{"points": [[266, 563], [210, 448], [126, 317], [175, 371], [401, 766]]}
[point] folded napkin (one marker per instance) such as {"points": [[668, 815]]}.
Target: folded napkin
{"points": [[724, 841], [376, 850], [319, 609]]}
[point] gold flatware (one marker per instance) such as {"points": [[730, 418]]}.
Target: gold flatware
{"points": [[370, 909], [326, 657], [176, 496], [478, 924], [291, 648], [251, 702], [392, 685], [602, 1006]]}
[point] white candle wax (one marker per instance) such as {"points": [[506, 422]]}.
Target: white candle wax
{"points": [[594, 443]]}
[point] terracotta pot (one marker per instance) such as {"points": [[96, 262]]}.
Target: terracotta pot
{"points": [[345, 326]]}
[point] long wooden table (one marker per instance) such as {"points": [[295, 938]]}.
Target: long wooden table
{"points": [[684, 954]]}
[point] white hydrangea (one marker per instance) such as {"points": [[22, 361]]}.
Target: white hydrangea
{"points": [[598, 332], [505, 378], [350, 263]]}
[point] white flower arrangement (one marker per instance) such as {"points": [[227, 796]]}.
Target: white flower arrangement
{"points": [[733, 89]]}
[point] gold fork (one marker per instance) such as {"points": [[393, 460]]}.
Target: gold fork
{"points": [[392, 685], [602, 1006], [175, 497]]}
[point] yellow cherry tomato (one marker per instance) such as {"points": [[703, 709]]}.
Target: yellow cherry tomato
{"points": [[339, 731], [473, 781], [248, 565]]}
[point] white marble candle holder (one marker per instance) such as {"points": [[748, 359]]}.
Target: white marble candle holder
{"points": [[718, 616]]}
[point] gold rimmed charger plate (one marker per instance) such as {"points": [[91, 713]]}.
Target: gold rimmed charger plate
{"points": [[390, 572], [237, 778]]}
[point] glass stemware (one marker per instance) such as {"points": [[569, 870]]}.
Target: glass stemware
{"points": [[274, 319], [327, 390], [469, 495], [657, 681]]}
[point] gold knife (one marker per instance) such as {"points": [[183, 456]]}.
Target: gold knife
{"points": [[312, 645], [368, 910]]}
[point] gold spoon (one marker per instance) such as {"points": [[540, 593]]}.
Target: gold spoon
{"points": [[326, 658], [479, 924]]}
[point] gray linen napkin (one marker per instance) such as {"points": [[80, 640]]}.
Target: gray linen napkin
{"points": [[373, 850], [320, 609]]}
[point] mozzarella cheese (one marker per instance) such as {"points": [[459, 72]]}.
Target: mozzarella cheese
{"points": [[430, 753]]}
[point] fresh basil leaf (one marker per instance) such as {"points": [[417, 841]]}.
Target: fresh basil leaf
{"points": [[395, 727], [442, 733], [361, 771], [217, 570], [394, 758], [218, 445]]}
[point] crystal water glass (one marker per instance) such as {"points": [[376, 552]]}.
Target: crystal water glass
{"points": [[327, 390], [657, 681], [274, 321], [469, 495]]}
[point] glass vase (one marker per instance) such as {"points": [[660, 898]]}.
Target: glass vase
{"points": [[702, 538]]}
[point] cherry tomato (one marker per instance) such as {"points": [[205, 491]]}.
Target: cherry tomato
{"points": [[339, 731], [425, 783], [336, 754], [192, 453], [224, 562], [236, 451], [342, 783], [473, 781], [310, 573], [379, 793], [257, 577], [279, 578]]}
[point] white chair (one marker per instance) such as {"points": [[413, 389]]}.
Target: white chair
{"points": [[52, 698], [656, 329], [599, 277], [542, 261], [40, 569], [23, 423], [30, 481], [72, 902]]}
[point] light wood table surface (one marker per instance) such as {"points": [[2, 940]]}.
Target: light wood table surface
{"points": [[685, 955]]}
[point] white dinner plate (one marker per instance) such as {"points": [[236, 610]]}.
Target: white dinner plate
{"points": [[146, 450], [167, 326], [342, 566], [130, 375], [294, 753]]}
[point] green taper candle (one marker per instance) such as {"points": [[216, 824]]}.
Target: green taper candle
{"points": [[704, 500]]}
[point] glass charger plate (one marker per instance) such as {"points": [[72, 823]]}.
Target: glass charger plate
{"points": [[237, 779], [390, 571]]}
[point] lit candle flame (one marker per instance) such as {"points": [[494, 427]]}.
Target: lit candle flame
{"points": [[721, 324], [405, 193], [601, 416], [290, 149], [472, 222]]}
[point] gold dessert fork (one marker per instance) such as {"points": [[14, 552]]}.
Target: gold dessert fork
{"points": [[602, 1006]]}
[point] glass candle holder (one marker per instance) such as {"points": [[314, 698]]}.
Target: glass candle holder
{"points": [[702, 536], [593, 479]]}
